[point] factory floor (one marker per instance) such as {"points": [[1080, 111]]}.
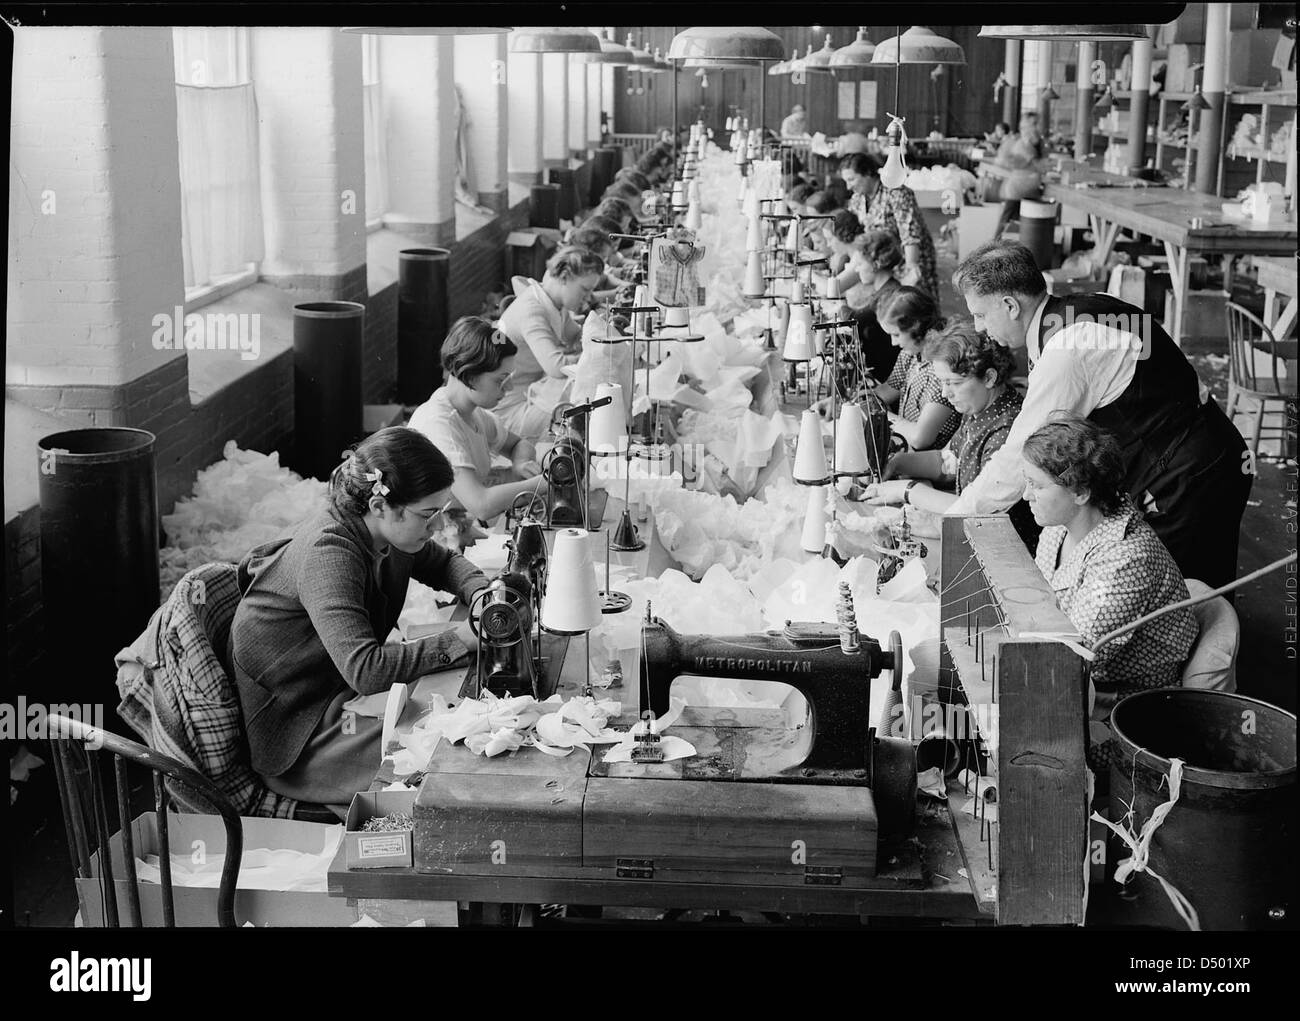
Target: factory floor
{"points": [[44, 894]]}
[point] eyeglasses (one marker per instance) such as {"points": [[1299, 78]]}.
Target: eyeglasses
{"points": [[426, 518]]}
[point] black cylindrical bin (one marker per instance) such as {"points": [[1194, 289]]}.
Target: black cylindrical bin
{"points": [[423, 317], [568, 183], [327, 339], [544, 206], [1038, 230], [99, 554], [1229, 843], [604, 165]]}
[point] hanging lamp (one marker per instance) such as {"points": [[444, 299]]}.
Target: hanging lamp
{"points": [[554, 40], [784, 66], [1063, 33], [424, 30], [856, 54], [611, 52], [918, 45], [725, 42], [820, 61]]}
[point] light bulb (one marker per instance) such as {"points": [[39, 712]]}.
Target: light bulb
{"points": [[894, 173]]}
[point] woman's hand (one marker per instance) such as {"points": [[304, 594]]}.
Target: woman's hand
{"points": [[528, 469], [911, 275], [462, 631], [886, 493]]}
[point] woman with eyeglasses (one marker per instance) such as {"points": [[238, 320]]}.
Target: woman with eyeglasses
{"points": [[311, 630], [477, 361]]}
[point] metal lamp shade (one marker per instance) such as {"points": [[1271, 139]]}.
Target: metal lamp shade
{"points": [[918, 45], [641, 59], [856, 54], [820, 61], [726, 42], [553, 40], [784, 66], [1061, 33], [423, 30], [611, 52]]}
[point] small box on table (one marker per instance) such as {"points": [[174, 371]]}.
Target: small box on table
{"points": [[381, 849]]}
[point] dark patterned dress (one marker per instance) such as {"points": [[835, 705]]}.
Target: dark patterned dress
{"points": [[916, 385], [895, 210], [1119, 572]]}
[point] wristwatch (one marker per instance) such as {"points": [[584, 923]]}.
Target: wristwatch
{"points": [[907, 491]]}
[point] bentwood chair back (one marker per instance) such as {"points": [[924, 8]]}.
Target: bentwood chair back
{"points": [[79, 751], [1256, 370]]}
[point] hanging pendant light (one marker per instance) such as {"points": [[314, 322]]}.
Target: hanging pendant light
{"points": [[424, 30], [800, 64], [1197, 102], [894, 173], [641, 58], [785, 66], [1063, 33], [820, 62], [856, 54], [735, 43], [918, 45], [1049, 93], [611, 52], [554, 40]]}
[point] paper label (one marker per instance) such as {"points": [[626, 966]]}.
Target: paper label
{"points": [[383, 846]]}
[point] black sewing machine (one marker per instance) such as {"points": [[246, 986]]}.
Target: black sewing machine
{"points": [[514, 656], [566, 474]]}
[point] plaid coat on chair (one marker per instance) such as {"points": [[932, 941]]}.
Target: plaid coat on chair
{"points": [[177, 693]]}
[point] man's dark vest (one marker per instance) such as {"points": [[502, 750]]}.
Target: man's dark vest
{"points": [[1163, 428]]}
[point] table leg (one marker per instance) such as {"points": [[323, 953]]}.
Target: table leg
{"points": [[1279, 322], [1104, 233], [1178, 279]]}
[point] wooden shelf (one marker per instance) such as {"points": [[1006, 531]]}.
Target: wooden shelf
{"points": [[1258, 97], [1254, 154]]}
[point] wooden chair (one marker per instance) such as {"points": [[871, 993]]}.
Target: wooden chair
{"points": [[1248, 337], [78, 749]]}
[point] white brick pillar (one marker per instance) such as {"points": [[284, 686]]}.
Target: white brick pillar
{"points": [[607, 95], [481, 64], [593, 105], [577, 107], [555, 109], [525, 91], [311, 148], [94, 218]]}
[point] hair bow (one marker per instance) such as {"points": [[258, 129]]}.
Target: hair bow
{"points": [[377, 477]]}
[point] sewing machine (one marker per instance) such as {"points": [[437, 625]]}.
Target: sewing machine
{"points": [[565, 471]]}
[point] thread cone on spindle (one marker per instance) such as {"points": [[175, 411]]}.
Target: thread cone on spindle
{"points": [[679, 194], [608, 430], [797, 292], [571, 605], [810, 467], [743, 193], [833, 287], [676, 318], [754, 276], [754, 238], [694, 217], [814, 522], [792, 238], [851, 442], [798, 334], [642, 321], [750, 206]]}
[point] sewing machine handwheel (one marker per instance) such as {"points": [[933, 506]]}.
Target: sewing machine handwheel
{"points": [[893, 784], [528, 505], [896, 661]]}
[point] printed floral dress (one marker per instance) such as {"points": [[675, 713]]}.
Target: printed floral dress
{"points": [[895, 210]]}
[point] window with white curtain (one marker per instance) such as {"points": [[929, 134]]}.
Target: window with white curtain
{"points": [[376, 149], [216, 126]]}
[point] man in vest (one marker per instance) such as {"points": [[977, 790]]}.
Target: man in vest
{"points": [[1186, 465]]}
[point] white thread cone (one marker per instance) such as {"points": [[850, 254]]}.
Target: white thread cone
{"points": [[810, 456], [754, 275], [751, 201], [798, 334], [833, 287], [851, 441], [792, 236], [694, 218], [641, 321], [571, 604], [679, 194], [608, 430], [743, 193], [814, 522], [754, 239], [796, 292], [676, 318]]}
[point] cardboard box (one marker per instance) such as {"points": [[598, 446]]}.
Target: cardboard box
{"points": [[387, 850], [975, 226], [196, 907]]}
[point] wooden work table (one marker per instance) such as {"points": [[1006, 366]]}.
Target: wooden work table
{"points": [[1113, 202]]}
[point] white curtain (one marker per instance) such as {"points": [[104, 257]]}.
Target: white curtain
{"points": [[376, 154], [221, 207]]}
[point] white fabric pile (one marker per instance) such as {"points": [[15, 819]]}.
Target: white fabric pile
{"points": [[940, 179], [244, 499]]}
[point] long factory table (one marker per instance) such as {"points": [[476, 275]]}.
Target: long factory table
{"points": [[940, 874], [1165, 214]]}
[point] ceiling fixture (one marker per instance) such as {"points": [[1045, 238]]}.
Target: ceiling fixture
{"points": [[785, 66], [735, 43], [820, 62], [918, 45], [641, 58], [553, 40], [424, 30], [855, 54], [1062, 33], [611, 52]]}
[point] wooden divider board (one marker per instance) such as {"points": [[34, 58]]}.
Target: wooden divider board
{"points": [[1040, 689]]}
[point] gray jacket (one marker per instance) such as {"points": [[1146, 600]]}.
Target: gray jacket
{"points": [[316, 608]]}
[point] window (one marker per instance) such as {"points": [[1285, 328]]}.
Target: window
{"points": [[216, 127], [374, 131]]}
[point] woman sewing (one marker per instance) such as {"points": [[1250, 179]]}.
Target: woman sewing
{"points": [[873, 259], [923, 416], [973, 374], [1105, 564], [311, 630], [477, 360], [540, 325], [894, 210]]}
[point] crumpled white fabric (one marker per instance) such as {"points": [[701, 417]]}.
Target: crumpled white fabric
{"points": [[260, 868], [672, 747]]}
